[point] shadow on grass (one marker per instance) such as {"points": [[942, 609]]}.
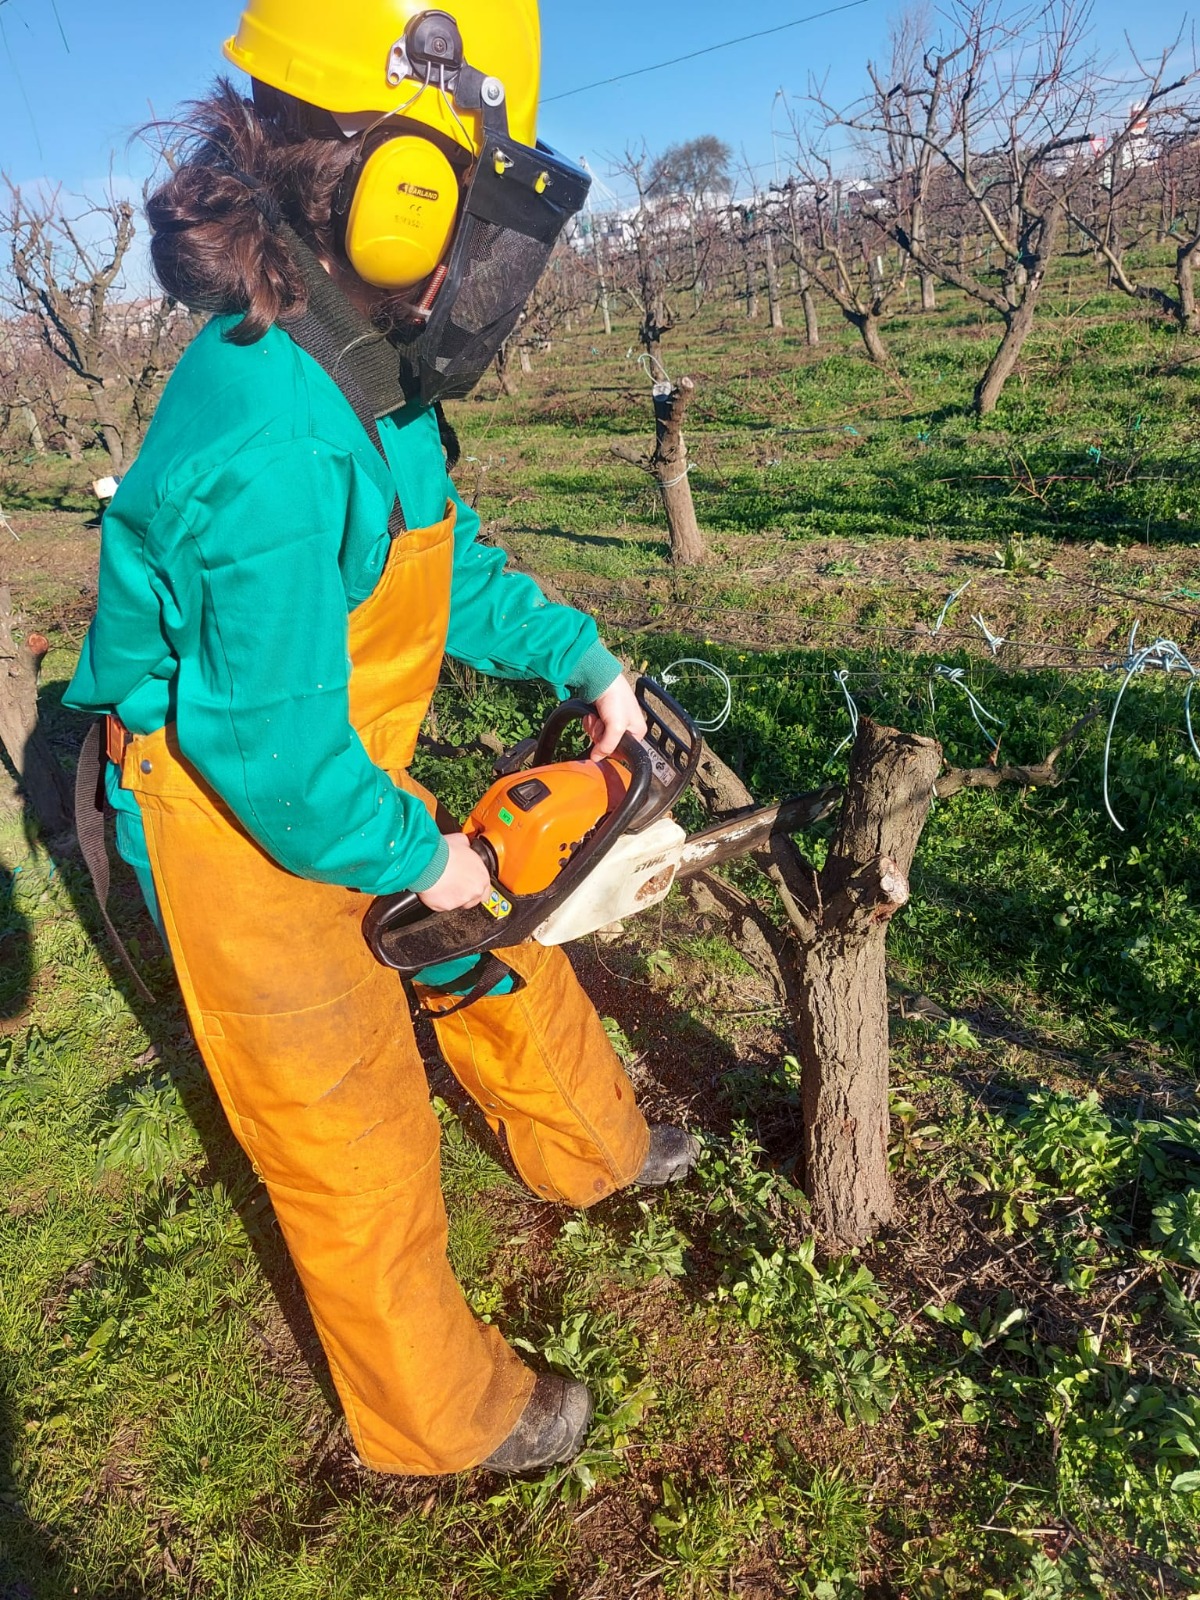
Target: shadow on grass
{"points": [[653, 549], [32, 1564], [16, 952]]}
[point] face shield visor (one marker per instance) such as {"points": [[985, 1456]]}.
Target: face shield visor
{"points": [[515, 208], [516, 202]]}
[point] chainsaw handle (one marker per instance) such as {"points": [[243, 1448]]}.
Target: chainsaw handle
{"points": [[560, 719], [405, 909]]}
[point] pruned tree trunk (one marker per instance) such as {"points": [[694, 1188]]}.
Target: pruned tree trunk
{"points": [[37, 441], [928, 291], [774, 298], [830, 968], [751, 284], [1185, 281], [42, 781], [669, 463], [504, 371], [812, 328], [842, 1023], [868, 329]]}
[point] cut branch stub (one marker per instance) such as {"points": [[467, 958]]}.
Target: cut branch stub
{"points": [[39, 774], [669, 464]]}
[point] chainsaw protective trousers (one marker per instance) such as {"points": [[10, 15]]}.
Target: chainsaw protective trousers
{"points": [[310, 1046]]}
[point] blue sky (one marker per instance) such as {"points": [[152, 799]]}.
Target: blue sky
{"points": [[127, 56]]}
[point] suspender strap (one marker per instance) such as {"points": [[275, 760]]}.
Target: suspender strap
{"points": [[89, 827], [313, 337], [490, 972]]}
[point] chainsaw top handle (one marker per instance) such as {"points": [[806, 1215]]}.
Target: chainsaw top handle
{"points": [[673, 748]]}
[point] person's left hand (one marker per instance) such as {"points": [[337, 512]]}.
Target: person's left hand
{"points": [[617, 713]]}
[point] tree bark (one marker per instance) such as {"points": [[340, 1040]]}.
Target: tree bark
{"points": [[868, 327], [774, 299], [1185, 280], [842, 1024], [751, 284], [1000, 367], [1019, 322], [669, 464], [37, 442], [812, 328], [928, 291], [42, 780]]}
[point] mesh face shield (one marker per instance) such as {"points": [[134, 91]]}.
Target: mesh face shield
{"points": [[516, 206]]}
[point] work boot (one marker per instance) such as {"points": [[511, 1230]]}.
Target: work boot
{"points": [[551, 1429], [673, 1153]]}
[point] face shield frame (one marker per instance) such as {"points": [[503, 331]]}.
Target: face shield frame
{"points": [[516, 203]]}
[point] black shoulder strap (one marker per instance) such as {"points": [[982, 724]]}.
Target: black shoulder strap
{"points": [[488, 974], [313, 337], [89, 828]]}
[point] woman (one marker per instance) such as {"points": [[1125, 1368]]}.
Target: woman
{"points": [[281, 572]]}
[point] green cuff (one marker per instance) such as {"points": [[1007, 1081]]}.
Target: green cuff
{"points": [[437, 865], [595, 671]]}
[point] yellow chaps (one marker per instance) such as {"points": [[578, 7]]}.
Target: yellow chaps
{"points": [[310, 1046]]}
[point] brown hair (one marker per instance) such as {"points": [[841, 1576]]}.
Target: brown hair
{"points": [[216, 245]]}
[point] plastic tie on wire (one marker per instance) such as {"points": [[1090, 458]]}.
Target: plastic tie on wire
{"points": [[945, 611], [995, 643], [668, 678], [1163, 655], [842, 679], [958, 678]]}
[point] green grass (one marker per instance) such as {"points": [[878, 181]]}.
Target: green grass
{"points": [[1001, 1399]]}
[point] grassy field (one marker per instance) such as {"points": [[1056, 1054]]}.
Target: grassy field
{"points": [[1001, 1399]]}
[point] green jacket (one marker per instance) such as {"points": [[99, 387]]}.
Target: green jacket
{"points": [[253, 521]]}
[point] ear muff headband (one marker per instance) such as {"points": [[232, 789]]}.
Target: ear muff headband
{"points": [[400, 218]]}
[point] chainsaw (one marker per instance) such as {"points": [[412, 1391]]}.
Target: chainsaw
{"points": [[575, 845]]}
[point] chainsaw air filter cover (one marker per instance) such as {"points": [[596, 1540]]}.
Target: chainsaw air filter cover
{"points": [[535, 821]]}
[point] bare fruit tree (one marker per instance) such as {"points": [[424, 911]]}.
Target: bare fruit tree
{"points": [[693, 179], [835, 237], [997, 107], [1156, 146], [829, 964], [65, 280]]}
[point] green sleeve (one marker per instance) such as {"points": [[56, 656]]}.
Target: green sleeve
{"points": [[502, 624], [255, 610]]}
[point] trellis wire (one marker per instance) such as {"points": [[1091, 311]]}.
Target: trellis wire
{"points": [[841, 678]]}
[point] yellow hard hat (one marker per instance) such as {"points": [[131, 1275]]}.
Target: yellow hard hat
{"points": [[353, 60]]}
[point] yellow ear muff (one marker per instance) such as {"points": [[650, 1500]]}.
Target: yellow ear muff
{"points": [[403, 213]]}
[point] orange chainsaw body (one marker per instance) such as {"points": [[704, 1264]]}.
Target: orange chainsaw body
{"points": [[534, 821]]}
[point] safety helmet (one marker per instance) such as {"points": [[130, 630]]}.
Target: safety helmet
{"points": [[450, 188], [356, 58]]}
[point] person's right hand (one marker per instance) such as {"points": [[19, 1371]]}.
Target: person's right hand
{"points": [[465, 882]]}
